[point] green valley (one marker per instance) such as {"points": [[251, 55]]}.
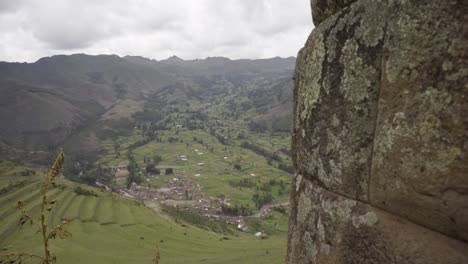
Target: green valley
{"points": [[190, 156]]}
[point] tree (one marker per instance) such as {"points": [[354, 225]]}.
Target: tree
{"points": [[157, 159], [150, 168], [262, 199], [237, 163], [134, 175]]}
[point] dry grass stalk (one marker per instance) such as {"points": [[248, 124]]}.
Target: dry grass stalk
{"points": [[46, 206], [156, 256]]}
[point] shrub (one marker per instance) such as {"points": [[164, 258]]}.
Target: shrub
{"points": [[150, 168], [81, 191], [197, 220], [287, 168]]}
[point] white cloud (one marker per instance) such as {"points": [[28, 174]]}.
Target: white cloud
{"points": [[30, 29]]}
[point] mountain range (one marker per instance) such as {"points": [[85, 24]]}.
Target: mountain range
{"points": [[45, 103]]}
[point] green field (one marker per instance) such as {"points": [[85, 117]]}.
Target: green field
{"points": [[217, 175], [112, 229]]}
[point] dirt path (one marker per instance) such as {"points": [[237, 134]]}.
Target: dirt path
{"points": [[157, 208], [266, 209]]}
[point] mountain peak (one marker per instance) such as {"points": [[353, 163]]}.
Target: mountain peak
{"points": [[173, 59]]}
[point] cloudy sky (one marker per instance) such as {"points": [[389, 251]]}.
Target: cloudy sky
{"points": [[31, 29]]}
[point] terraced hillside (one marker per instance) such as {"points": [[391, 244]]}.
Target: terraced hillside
{"points": [[204, 131], [108, 228]]}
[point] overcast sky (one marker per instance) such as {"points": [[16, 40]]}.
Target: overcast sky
{"points": [[31, 29]]}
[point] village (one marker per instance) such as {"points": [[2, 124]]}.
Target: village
{"points": [[182, 193]]}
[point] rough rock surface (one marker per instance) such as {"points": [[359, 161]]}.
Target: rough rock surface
{"points": [[329, 228], [321, 9], [380, 134]]}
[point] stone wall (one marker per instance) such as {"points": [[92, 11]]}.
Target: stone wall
{"points": [[380, 134]]}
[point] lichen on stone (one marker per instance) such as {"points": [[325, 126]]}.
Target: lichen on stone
{"points": [[308, 79], [304, 207], [298, 181], [357, 77], [368, 219]]}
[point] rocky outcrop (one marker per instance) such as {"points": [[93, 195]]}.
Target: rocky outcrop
{"points": [[321, 9], [380, 134]]}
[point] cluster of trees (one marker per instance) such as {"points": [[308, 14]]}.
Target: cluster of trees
{"points": [[174, 139], [135, 173], [151, 168], [280, 209], [195, 120], [198, 140], [155, 160], [261, 151], [197, 219], [139, 143], [221, 138], [82, 191], [264, 192], [262, 198], [236, 210], [283, 188], [243, 183], [80, 168], [150, 121], [257, 127], [92, 174]]}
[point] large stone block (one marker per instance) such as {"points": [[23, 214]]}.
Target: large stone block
{"points": [[337, 82], [380, 109], [329, 228], [420, 165]]}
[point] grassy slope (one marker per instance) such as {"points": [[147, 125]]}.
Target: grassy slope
{"points": [[112, 229], [11, 173]]}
